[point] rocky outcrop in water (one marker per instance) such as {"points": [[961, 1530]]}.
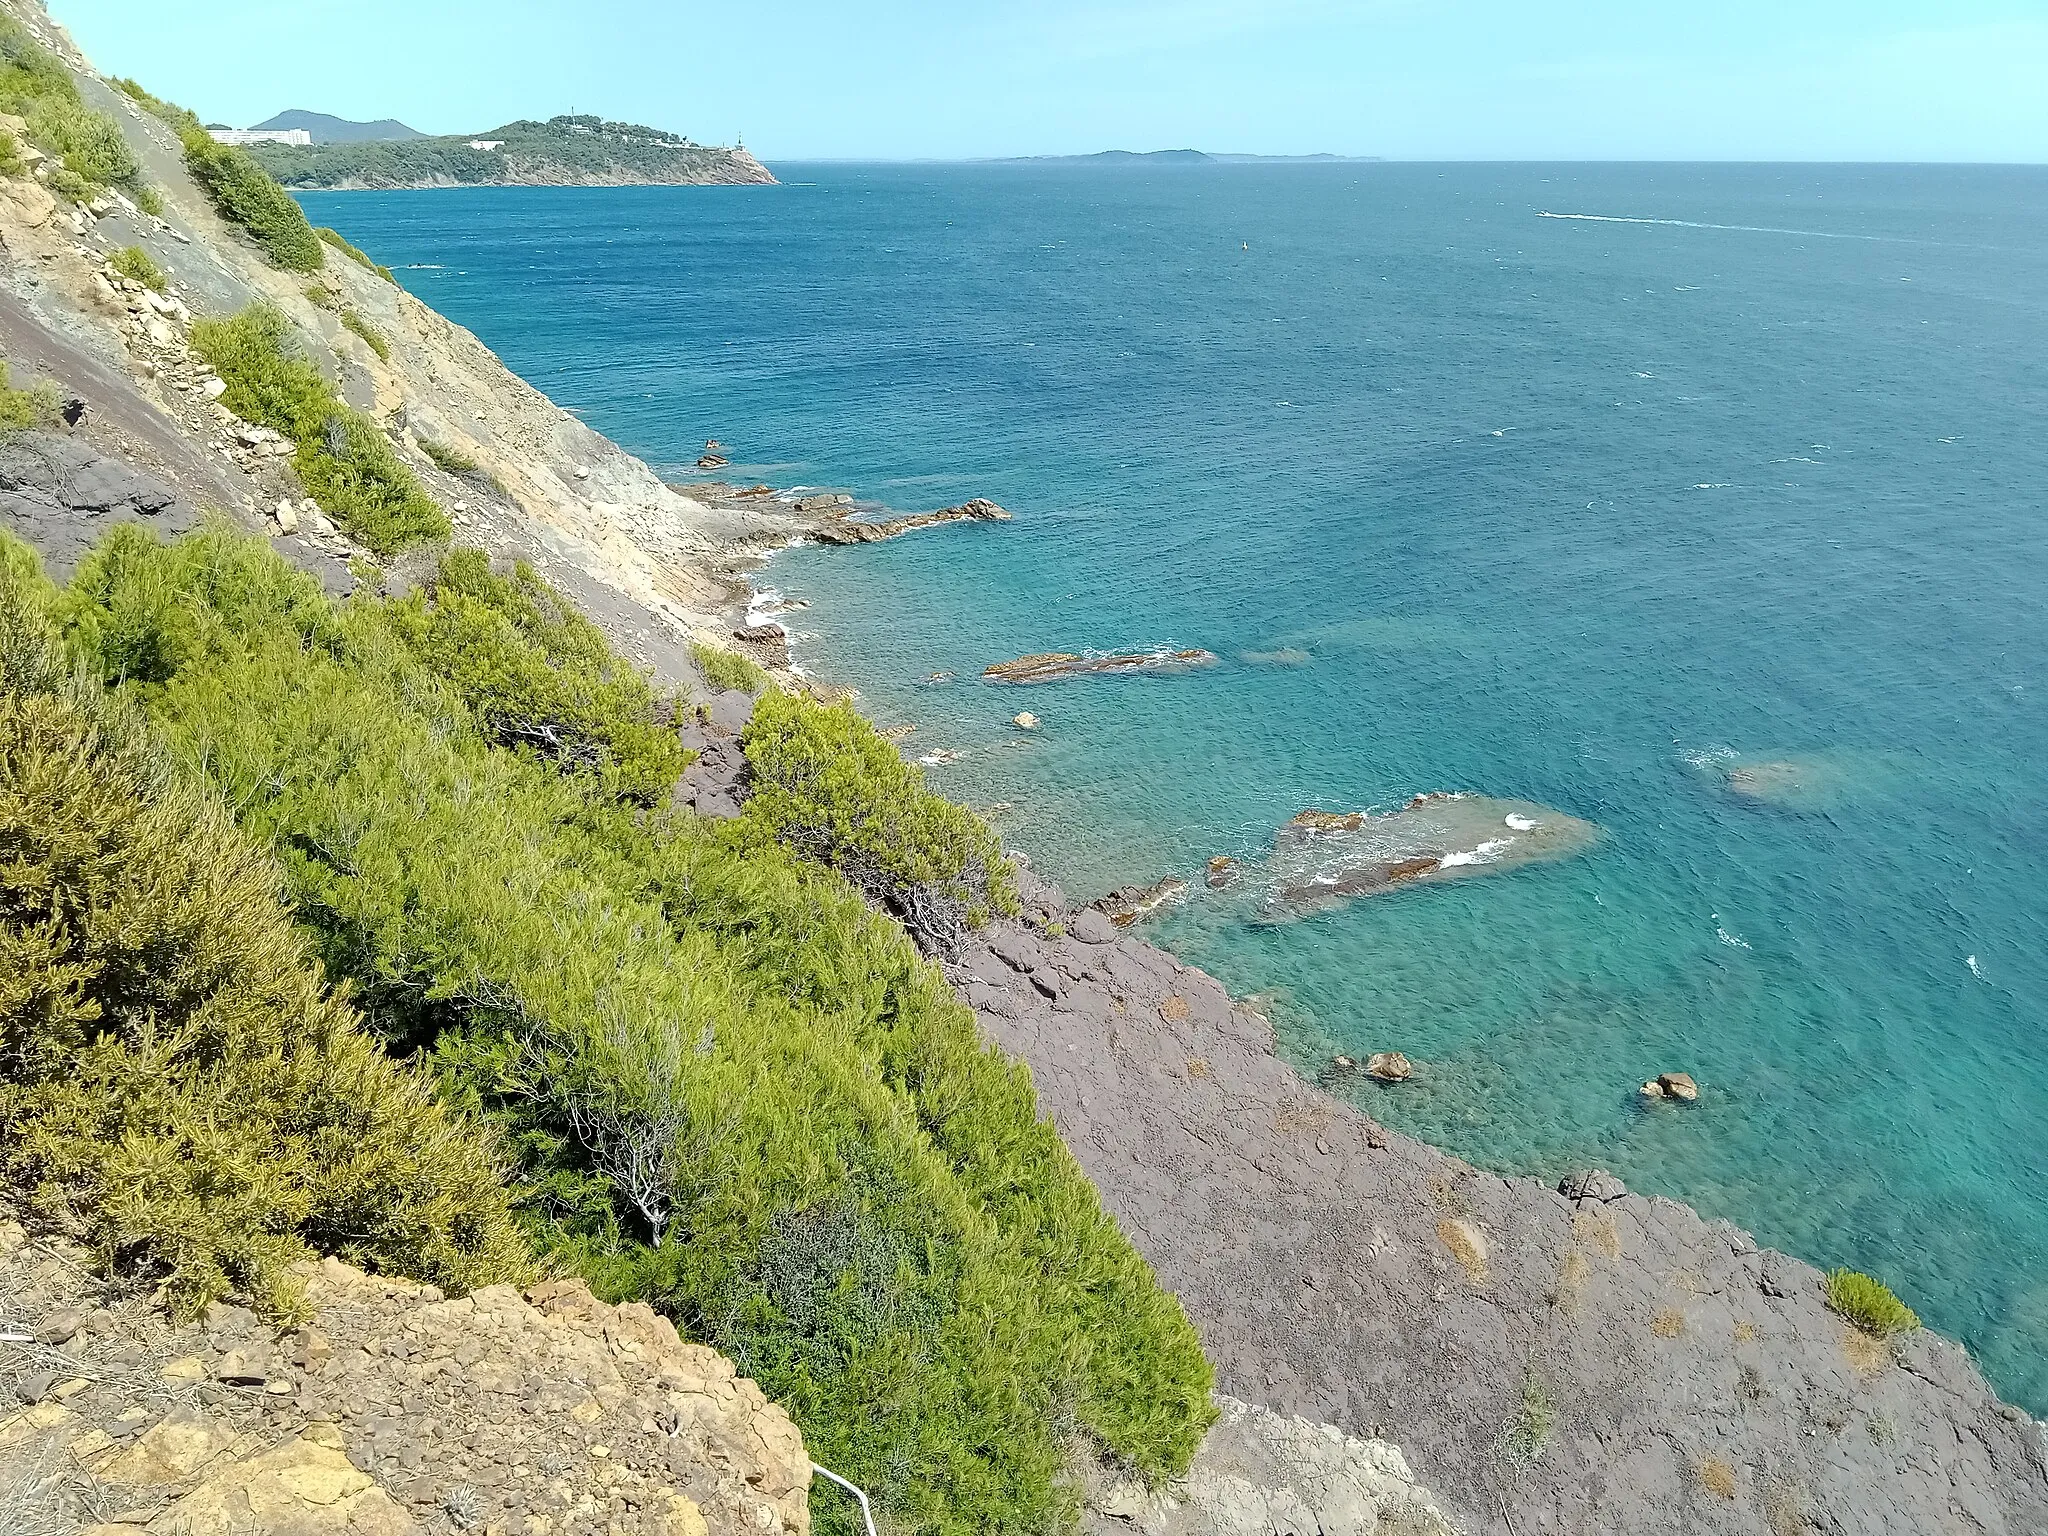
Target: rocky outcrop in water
{"points": [[1054, 666], [1323, 857], [850, 531]]}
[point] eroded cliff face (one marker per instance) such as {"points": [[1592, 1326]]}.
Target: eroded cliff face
{"points": [[655, 565], [393, 1411]]}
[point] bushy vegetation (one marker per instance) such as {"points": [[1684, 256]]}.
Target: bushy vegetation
{"points": [[372, 338], [722, 669], [240, 189], [733, 1088], [827, 786], [243, 193], [539, 676], [138, 266], [349, 467], [1869, 1304], [361, 258], [39, 405], [36, 87], [568, 148], [149, 978]]}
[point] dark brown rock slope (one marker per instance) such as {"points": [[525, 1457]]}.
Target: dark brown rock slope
{"points": [[1605, 1366]]}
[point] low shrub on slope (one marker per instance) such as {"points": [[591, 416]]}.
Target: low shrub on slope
{"points": [[241, 191], [35, 86], [176, 1085], [348, 466], [733, 1088]]}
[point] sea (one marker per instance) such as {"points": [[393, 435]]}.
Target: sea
{"points": [[1706, 504]]}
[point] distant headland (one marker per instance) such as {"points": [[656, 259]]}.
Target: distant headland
{"points": [[567, 151]]}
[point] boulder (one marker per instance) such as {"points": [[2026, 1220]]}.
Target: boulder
{"points": [[1091, 927], [1223, 871], [1677, 1086], [1389, 1067], [287, 517], [1025, 721], [1595, 1184]]}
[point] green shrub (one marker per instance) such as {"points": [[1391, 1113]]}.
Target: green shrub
{"points": [[35, 86], [11, 163], [1869, 1304], [179, 118], [827, 785], [37, 406], [540, 676], [453, 460], [734, 1089], [349, 467], [352, 321], [150, 201], [149, 976], [723, 669], [356, 254], [244, 194], [136, 264]]}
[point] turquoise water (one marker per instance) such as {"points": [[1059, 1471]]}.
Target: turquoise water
{"points": [[1466, 498]]}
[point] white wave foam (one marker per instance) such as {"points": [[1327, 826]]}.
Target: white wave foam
{"points": [[1745, 229], [1730, 939], [1975, 969], [1522, 823], [1485, 853]]}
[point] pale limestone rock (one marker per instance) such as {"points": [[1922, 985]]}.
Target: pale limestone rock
{"points": [[179, 1447], [303, 1487]]}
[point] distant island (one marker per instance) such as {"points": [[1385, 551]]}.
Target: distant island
{"points": [[1172, 157], [338, 130], [568, 151]]}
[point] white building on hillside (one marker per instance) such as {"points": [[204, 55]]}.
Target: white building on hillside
{"points": [[297, 137], [487, 144]]}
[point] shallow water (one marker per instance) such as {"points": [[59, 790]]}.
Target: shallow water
{"points": [[1723, 532]]}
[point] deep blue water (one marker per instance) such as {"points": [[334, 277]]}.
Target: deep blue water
{"points": [[1580, 512]]}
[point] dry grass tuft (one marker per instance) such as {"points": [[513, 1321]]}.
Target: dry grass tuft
{"points": [[1571, 1282], [1597, 1231], [1867, 1354], [1669, 1323], [1717, 1477], [1467, 1245], [1197, 1067], [1174, 1009], [1747, 1333]]}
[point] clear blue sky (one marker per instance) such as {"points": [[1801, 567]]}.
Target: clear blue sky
{"points": [[1413, 79]]}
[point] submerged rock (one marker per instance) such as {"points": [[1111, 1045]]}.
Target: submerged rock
{"points": [[1223, 872], [1051, 666], [1321, 857]]}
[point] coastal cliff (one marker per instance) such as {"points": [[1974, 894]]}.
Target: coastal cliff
{"points": [[1384, 1320], [580, 151]]}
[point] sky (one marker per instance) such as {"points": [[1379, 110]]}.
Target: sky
{"points": [[964, 79]]}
